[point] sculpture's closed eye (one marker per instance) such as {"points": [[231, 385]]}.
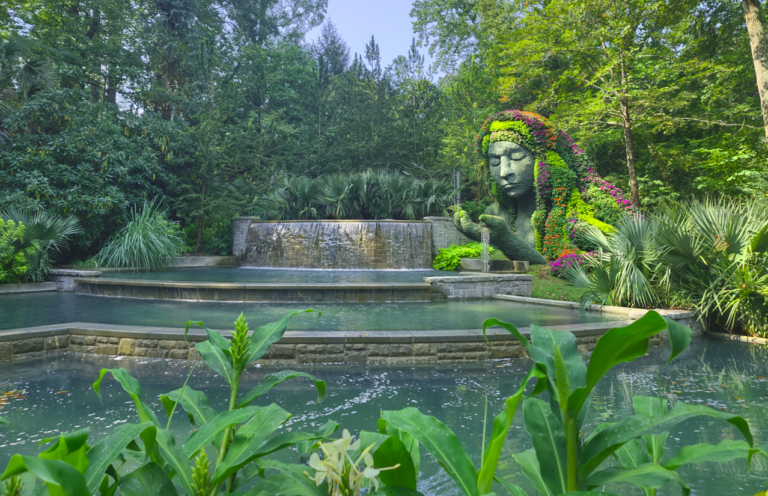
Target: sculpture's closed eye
{"points": [[518, 156]]}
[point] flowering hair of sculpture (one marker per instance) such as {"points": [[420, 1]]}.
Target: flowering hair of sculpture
{"points": [[570, 195]]}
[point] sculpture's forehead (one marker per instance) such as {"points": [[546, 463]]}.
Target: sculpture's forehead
{"points": [[504, 147]]}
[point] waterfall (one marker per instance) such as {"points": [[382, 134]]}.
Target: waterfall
{"points": [[485, 238], [339, 245]]}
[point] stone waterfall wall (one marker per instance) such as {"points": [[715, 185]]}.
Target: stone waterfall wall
{"points": [[353, 244]]}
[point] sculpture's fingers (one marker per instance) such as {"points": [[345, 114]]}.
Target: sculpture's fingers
{"points": [[495, 223], [465, 225]]}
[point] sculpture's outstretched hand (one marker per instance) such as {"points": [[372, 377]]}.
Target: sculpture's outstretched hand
{"points": [[465, 225]]}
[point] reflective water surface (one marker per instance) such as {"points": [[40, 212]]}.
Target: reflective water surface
{"points": [[286, 276], [53, 394], [37, 309]]}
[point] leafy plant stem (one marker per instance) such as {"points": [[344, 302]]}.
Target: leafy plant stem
{"points": [[571, 440], [228, 431], [485, 423], [181, 393]]}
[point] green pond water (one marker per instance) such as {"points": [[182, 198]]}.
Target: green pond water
{"points": [[285, 276], [54, 395], [37, 309]]}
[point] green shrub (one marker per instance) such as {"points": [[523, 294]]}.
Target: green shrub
{"points": [[450, 258], [146, 241], [13, 263], [44, 233]]}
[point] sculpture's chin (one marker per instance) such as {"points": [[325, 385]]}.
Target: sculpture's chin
{"points": [[515, 192]]}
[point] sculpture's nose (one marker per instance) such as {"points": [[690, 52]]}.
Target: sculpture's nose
{"points": [[506, 167]]}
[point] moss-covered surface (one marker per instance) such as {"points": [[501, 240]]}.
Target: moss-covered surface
{"points": [[550, 287]]}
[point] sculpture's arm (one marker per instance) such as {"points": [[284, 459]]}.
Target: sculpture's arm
{"points": [[510, 244]]}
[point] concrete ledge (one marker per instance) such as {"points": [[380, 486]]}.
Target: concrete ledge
{"points": [[65, 277], [200, 262], [256, 292], [27, 287], [481, 286], [735, 337]]}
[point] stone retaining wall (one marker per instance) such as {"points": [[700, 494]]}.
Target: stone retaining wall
{"points": [[484, 286], [27, 287], [65, 278], [240, 227], [445, 234], [296, 347]]}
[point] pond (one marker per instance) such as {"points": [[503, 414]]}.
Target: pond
{"points": [[38, 309], [52, 394], [281, 276]]}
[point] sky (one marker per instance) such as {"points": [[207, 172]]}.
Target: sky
{"points": [[388, 21]]}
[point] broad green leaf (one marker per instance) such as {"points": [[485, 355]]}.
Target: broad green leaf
{"points": [[103, 453], [624, 344], [194, 402], [396, 491], [176, 459], [725, 451], [69, 448], [59, 475], [214, 337], [649, 475], [265, 336], [253, 451], [206, 433], [131, 386], [296, 472], [148, 480], [3, 420], [368, 438], [273, 380], [249, 438], [512, 330], [215, 358], [285, 485], [648, 406], [548, 340], [440, 442], [586, 493], [322, 432], [529, 463], [390, 453], [632, 454], [501, 423], [603, 444], [512, 488], [759, 242], [548, 440]]}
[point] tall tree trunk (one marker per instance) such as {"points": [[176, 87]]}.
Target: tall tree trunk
{"points": [[200, 221], [759, 46], [626, 125]]}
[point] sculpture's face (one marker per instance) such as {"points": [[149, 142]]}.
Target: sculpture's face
{"points": [[511, 167]]}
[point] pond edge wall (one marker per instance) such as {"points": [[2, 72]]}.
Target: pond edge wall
{"points": [[302, 347]]}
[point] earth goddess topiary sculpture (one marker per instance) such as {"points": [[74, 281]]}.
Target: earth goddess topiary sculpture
{"points": [[546, 190]]}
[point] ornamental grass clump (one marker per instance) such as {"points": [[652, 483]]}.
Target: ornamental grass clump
{"points": [[145, 243]]}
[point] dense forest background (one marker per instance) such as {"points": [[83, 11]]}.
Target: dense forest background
{"points": [[208, 105]]}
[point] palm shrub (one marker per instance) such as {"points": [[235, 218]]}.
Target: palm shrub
{"points": [[716, 257], [43, 234], [219, 457], [146, 241], [624, 269], [366, 195], [13, 263]]}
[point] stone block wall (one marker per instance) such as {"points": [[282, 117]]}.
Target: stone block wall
{"points": [[469, 287], [240, 227], [445, 234]]}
